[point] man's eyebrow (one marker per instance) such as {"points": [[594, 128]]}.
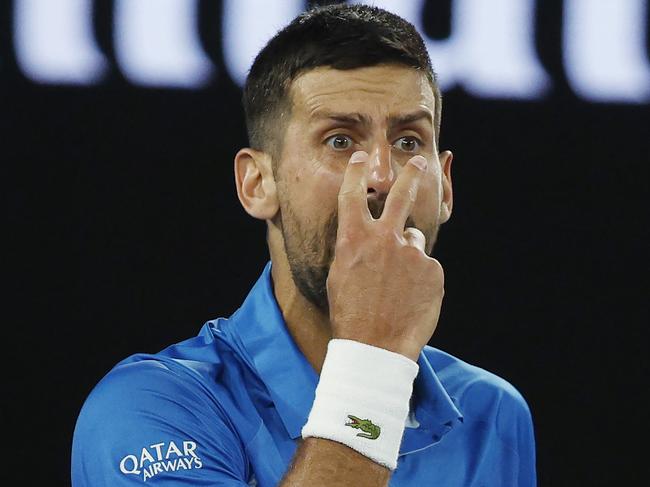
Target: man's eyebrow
{"points": [[397, 120], [353, 118]]}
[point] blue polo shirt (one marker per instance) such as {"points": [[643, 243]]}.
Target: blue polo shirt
{"points": [[226, 408]]}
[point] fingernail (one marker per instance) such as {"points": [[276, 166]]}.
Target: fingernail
{"points": [[419, 162], [358, 156]]}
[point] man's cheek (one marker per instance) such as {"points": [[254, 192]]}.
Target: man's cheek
{"points": [[331, 162], [328, 183]]}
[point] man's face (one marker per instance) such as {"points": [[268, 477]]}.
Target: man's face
{"points": [[385, 110]]}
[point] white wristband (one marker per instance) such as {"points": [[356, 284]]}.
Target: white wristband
{"points": [[362, 399]]}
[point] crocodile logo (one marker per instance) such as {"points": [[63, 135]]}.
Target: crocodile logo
{"points": [[370, 431]]}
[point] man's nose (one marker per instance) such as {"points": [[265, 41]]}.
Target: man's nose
{"points": [[381, 175]]}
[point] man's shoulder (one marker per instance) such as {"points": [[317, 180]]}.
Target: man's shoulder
{"points": [[186, 371], [490, 405], [173, 401], [476, 390], [149, 373]]}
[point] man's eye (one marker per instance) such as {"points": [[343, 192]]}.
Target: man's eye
{"points": [[407, 144], [339, 142]]}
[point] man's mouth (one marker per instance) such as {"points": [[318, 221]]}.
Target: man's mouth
{"points": [[375, 205]]}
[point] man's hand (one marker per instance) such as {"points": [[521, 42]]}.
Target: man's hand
{"points": [[383, 289]]}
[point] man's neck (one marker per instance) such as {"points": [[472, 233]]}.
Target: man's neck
{"points": [[309, 326]]}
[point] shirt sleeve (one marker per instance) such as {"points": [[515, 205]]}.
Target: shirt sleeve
{"points": [[146, 424]]}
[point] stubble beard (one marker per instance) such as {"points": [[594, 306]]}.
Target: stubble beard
{"points": [[310, 251]]}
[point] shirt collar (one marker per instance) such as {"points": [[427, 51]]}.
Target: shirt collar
{"points": [[291, 380]]}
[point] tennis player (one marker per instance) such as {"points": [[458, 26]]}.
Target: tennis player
{"points": [[324, 375]]}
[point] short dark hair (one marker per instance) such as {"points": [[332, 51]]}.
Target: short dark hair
{"points": [[339, 36]]}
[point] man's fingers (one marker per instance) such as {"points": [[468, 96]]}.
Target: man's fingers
{"points": [[402, 195], [353, 195], [415, 238]]}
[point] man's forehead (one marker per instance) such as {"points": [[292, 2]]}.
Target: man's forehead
{"points": [[328, 92]]}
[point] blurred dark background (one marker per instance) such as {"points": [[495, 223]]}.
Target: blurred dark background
{"points": [[123, 232]]}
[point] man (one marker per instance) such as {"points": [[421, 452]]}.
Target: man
{"points": [[324, 375]]}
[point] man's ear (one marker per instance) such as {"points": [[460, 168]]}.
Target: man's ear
{"points": [[255, 183], [447, 192]]}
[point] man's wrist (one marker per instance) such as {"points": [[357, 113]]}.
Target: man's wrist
{"points": [[407, 349], [362, 399]]}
